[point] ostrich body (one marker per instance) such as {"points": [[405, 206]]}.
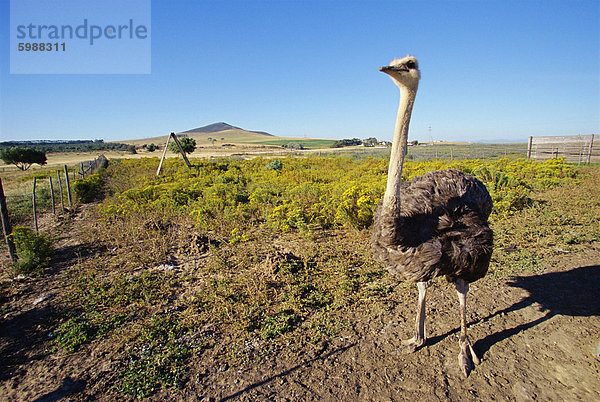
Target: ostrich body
{"points": [[434, 225]]}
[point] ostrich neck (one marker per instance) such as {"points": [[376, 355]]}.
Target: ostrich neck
{"points": [[391, 198]]}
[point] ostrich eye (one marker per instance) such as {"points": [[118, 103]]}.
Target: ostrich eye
{"points": [[410, 64]]}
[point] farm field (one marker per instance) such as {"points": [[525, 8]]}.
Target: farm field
{"points": [[253, 279], [248, 146]]}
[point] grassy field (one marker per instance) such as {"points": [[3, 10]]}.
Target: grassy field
{"points": [[261, 145], [236, 137]]}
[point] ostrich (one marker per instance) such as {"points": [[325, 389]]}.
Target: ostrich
{"points": [[433, 225]]}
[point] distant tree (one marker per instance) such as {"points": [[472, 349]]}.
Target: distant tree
{"points": [[294, 145], [346, 143], [131, 149], [415, 142], [188, 144], [370, 142], [23, 157], [151, 148]]}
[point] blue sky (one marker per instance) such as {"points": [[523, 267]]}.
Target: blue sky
{"points": [[490, 70]]}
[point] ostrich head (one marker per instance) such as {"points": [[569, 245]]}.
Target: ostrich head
{"points": [[404, 72]]}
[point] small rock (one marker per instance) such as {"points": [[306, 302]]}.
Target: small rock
{"points": [[42, 298]]}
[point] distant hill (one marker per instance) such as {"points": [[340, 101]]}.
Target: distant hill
{"points": [[221, 126], [222, 132]]}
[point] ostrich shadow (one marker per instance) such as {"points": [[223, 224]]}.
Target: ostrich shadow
{"points": [[572, 293]]}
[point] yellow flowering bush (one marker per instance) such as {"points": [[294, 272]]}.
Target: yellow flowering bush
{"points": [[317, 191]]}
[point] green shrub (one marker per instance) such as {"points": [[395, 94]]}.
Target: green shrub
{"points": [[88, 189], [275, 165], [34, 250], [73, 333], [157, 358], [188, 145], [278, 324]]}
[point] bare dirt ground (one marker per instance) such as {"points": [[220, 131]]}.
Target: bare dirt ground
{"points": [[535, 335]]}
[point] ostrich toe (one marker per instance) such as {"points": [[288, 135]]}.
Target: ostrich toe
{"points": [[412, 344], [467, 357]]}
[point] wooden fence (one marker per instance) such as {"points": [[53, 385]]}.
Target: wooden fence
{"points": [[574, 148]]}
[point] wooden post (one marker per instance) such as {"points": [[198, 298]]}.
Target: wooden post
{"points": [[529, 148], [187, 162], [590, 149], [6, 228], [33, 203], [82, 171], [163, 155], [68, 187], [52, 195], [62, 197]]}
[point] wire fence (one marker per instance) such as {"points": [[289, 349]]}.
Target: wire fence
{"points": [[50, 192], [432, 151]]}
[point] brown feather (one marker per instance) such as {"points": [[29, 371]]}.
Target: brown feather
{"points": [[441, 229]]}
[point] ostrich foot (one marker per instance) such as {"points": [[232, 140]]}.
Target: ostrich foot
{"points": [[412, 344], [467, 357]]}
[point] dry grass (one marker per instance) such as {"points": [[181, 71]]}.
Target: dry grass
{"points": [[163, 282]]}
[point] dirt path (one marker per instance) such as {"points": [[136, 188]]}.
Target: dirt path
{"points": [[30, 312], [535, 335]]}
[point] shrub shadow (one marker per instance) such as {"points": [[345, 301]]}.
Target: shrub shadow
{"points": [[22, 337], [68, 387]]}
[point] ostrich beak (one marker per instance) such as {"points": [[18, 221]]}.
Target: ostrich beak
{"points": [[389, 69]]}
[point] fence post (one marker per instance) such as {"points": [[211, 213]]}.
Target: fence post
{"points": [[62, 197], [187, 162], [6, 228], [68, 187], [52, 195], [590, 150], [163, 155], [82, 171], [33, 202], [529, 148]]}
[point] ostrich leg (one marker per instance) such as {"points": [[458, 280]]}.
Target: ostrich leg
{"points": [[410, 345], [467, 355]]}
